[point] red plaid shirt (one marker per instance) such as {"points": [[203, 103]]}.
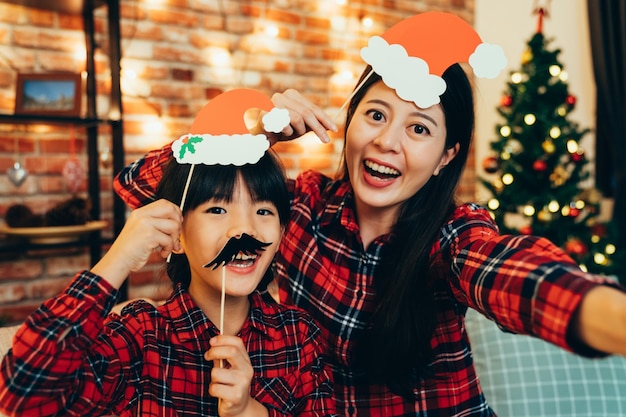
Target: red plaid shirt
{"points": [[526, 284], [67, 361]]}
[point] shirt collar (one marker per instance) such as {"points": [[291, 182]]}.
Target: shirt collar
{"points": [[190, 322]]}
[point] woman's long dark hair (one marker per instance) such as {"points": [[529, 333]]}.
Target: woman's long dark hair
{"points": [[396, 349], [265, 180]]}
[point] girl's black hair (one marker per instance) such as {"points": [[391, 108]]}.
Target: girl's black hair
{"points": [[265, 181], [395, 350]]}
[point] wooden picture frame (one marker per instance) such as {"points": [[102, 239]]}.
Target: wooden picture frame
{"points": [[48, 94]]}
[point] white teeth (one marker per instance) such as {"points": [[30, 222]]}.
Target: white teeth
{"points": [[381, 169], [244, 257]]}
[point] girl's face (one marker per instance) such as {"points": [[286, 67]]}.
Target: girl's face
{"points": [[208, 227], [392, 149]]}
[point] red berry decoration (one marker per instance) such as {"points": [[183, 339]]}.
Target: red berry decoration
{"points": [[506, 101], [540, 165], [490, 164], [571, 100]]}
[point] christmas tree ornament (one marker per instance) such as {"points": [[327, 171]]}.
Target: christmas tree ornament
{"points": [[548, 146], [544, 216], [506, 100], [73, 172], [540, 165], [578, 156], [491, 164], [514, 146], [574, 246], [17, 173], [526, 230], [570, 100]]}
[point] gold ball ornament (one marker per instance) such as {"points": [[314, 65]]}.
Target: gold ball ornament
{"points": [[527, 56], [548, 146]]}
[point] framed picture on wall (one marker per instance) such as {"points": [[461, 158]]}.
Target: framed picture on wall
{"points": [[48, 94]]}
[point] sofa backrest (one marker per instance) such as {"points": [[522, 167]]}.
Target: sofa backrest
{"points": [[523, 376]]}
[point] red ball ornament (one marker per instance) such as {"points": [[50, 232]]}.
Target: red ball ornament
{"points": [[574, 212], [526, 230], [571, 100], [506, 101], [599, 229], [490, 164], [540, 165], [578, 156], [574, 246]]}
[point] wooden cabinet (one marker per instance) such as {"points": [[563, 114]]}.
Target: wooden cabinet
{"points": [[90, 120]]}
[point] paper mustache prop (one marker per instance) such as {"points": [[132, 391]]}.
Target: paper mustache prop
{"points": [[244, 243]]}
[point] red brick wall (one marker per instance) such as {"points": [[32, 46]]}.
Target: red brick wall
{"points": [[175, 57]]}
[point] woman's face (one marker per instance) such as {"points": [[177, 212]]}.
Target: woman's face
{"points": [[392, 149], [208, 227]]}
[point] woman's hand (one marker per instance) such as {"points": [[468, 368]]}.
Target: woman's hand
{"points": [[304, 117], [155, 226], [231, 378]]}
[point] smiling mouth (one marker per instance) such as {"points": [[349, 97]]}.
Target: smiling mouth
{"points": [[380, 171], [242, 260]]}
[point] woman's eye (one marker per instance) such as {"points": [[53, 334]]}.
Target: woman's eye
{"points": [[420, 130], [376, 115]]}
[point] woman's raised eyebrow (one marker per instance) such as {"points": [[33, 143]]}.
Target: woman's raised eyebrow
{"points": [[418, 114]]}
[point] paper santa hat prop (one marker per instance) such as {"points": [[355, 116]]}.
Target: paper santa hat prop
{"points": [[219, 135], [413, 54]]}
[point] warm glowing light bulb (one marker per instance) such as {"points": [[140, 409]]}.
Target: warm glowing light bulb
{"points": [[493, 204], [505, 131], [610, 249], [507, 179], [555, 132], [516, 78], [367, 22], [572, 146], [600, 259], [554, 70], [530, 119], [529, 210], [553, 206]]}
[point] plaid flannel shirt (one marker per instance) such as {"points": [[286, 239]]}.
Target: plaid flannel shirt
{"points": [[67, 360], [525, 283]]}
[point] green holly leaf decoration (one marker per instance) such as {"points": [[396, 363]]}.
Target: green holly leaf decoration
{"points": [[189, 146]]}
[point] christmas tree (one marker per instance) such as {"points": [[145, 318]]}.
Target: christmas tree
{"points": [[538, 170]]}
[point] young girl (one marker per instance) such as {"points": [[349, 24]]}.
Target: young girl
{"points": [[173, 360], [388, 263]]}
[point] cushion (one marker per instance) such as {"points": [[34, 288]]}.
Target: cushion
{"points": [[525, 376], [6, 338]]}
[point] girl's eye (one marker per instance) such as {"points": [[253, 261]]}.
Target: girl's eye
{"points": [[215, 210], [376, 115], [265, 212]]}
